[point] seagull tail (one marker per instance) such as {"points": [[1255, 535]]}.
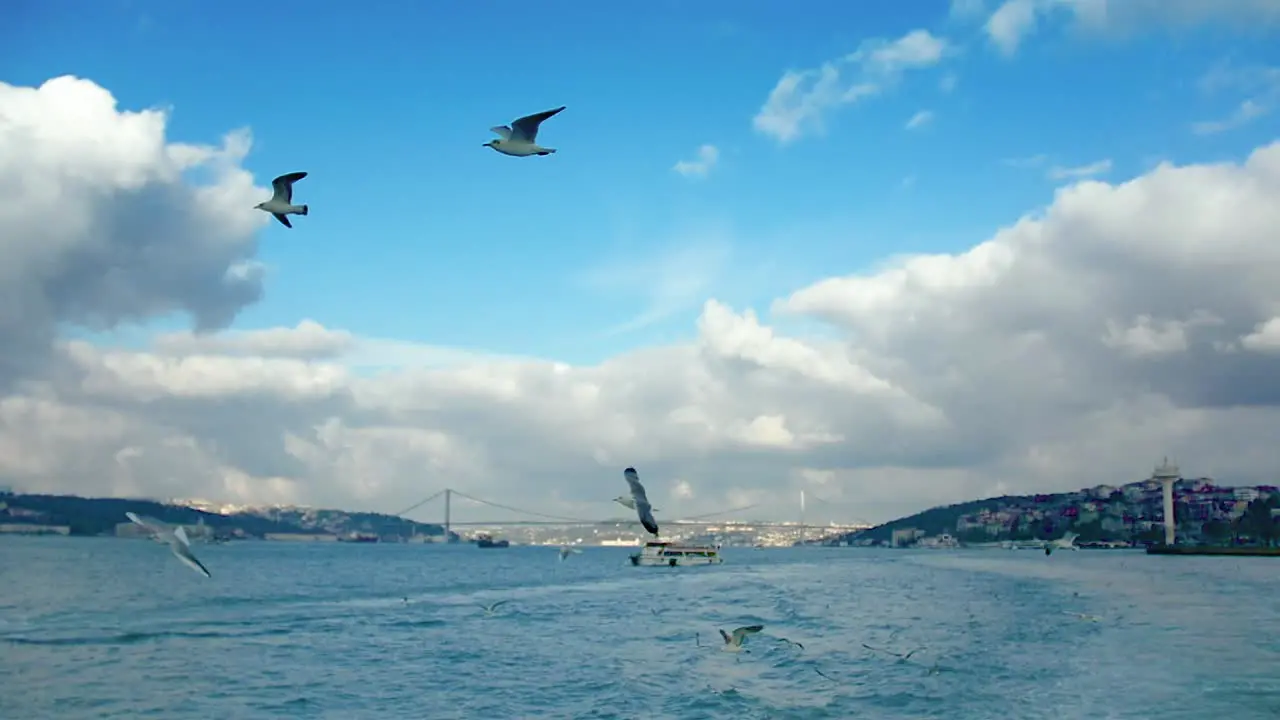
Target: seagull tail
{"points": [[304, 209]]}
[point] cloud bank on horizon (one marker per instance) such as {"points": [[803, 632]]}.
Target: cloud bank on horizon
{"points": [[1130, 317]]}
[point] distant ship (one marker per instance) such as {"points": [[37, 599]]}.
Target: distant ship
{"points": [[485, 540]]}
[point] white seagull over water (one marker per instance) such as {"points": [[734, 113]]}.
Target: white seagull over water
{"points": [[519, 140], [281, 202], [642, 507], [175, 537], [733, 641], [491, 608], [566, 551]]}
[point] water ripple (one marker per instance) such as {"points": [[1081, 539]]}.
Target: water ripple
{"points": [[398, 631]]}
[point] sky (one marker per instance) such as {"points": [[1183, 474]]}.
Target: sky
{"points": [[896, 255]]}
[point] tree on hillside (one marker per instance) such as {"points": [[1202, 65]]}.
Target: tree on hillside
{"points": [[1216, 531], [1258, 523]]}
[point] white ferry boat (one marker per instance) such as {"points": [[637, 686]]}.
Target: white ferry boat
{"points": [[674, 554]]}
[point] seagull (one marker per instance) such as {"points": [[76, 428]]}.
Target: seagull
{"points": [[1082, 616], [518, 140], [492, 607], [900, 656], [791, 642], [176, 538], [630, 504], [733, 641], [566, 551], [281, 202], [642, 507]]}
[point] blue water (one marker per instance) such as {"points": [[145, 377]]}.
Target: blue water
{"points": [[105, 628]]}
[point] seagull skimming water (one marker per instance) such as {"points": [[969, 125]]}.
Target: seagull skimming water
{"points": [[491, 608], [519, 140], [176, 538], [566, 551], [642, 507], [733, 641], [281, 202]]}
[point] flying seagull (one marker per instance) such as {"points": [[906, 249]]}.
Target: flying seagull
{"points": [[492, 607], [901, 657], [281, 202], [630, 504], [733, 642], [566, 551], [176, 538], [642, 507], [519, 140]]}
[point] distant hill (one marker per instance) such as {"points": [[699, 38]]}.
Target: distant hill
{"points": [[1205, 512], [99, 516], [341, 522], [938, 520]]}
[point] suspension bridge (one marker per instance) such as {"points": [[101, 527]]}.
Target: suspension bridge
{"points": [[722, 518]]}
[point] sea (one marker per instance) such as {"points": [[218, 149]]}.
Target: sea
{"points": [[113, 628]]}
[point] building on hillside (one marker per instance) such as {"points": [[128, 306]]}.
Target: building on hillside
{"points": [[905, 536]]}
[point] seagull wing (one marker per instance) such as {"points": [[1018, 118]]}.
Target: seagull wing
{"points": [[642, 507], [526, 128], [180, 534], [283, 220], [626, 502], [184, 554], [503, 131], [741, 633], [283, 186], [155, 526], [724, 635]]}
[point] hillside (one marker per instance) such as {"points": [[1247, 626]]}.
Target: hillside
{"points": [[1129, 514], [938, 520], [99, 516]]}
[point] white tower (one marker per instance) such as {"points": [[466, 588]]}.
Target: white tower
{"points": [[1167, 474], [802, 533]]}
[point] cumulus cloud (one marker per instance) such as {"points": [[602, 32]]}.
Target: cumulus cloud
{"points": [[1076, 345], [801, 98], [101, 224], [700, 166]]}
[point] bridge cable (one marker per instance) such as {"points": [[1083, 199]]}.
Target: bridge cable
{"points": [[419, 504], [525, 512]]}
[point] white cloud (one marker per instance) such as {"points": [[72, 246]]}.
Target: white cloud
{"points": [[1247, 111], [967, 9], [706, 159], [920, 119], [1100, 167], [1015, 20], [1010, 23], [1260, 84], [1076, 345], [800, 99], [98, 224]]}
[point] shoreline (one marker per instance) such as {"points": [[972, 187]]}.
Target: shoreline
{"points": [[1213, 550]]}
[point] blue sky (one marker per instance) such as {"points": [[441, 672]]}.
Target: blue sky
{"points": [[418, 233]]}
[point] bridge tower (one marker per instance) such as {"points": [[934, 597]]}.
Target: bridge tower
{"points": [[448, 496], [1167, 474]]}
